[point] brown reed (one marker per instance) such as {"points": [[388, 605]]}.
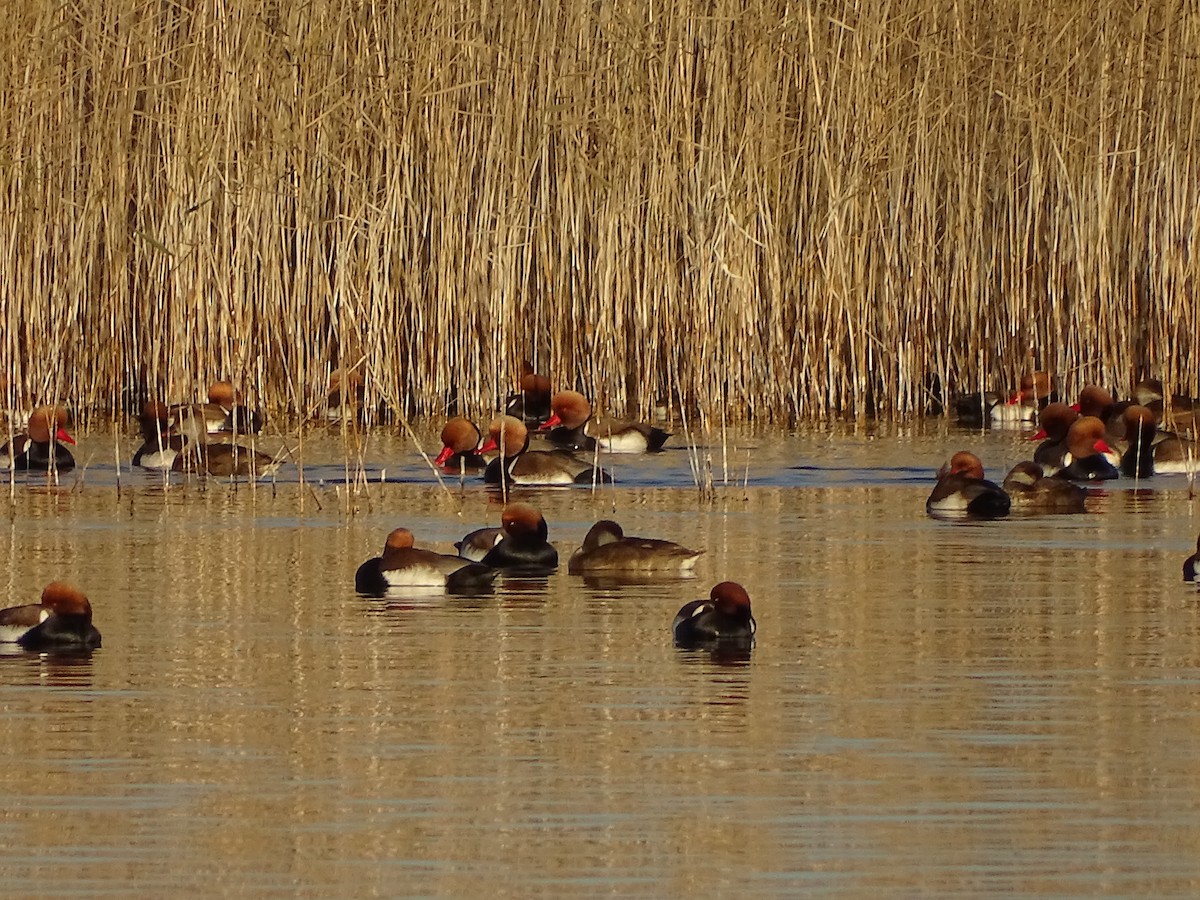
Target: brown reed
{"points": [[771, 210]]}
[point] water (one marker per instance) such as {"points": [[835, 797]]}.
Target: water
{"points": [[934, 708]]}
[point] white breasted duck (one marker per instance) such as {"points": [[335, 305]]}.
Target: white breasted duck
{"points": [[476, 545], [519, 465], [403, 565], [607, 550], [571, 412], [239, 418], [61, 621], [1153, 452], [1191, 566], [1022, 407], [724, 617], [963, 491], [160, 444], [39, 447], [344, 397], [525, 548], [223, 413]]}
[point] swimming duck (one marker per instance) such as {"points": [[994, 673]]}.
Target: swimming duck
{"points": [[570, 412], [962, 490], [606, 550], [62, 621], [1095, 401], [1055, 421], [1154, 452], [403, 565], [531, 404], [160, 444], [238, 417], [462, 445], [519, 465], [1029, 489], [344, 397], [39, 448], [525, 548], [223, 413], [1022, 407], [201, 456], [476, 545], [724, 616], [1140, 430], [1086, 458]]}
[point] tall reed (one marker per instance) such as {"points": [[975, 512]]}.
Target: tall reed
{"points": [[775, 210]]}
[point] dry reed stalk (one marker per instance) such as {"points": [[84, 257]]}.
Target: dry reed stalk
{"points": [[786, 213]]}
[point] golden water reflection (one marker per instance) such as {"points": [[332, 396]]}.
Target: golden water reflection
{"points": [[929, 707]]}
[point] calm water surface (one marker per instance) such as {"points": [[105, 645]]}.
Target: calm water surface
{"points": [[937, 708]]}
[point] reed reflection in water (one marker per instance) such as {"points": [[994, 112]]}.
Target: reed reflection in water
{"points": [[930, 707]]}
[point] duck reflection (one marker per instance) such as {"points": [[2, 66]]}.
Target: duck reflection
{"points": [[61, 667]]}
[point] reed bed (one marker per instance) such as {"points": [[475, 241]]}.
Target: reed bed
{"points": [[746, 209]]}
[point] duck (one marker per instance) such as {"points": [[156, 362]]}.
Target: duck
{"points": [[1191, 566], [1095, 401], [525, 548], [1182, 413], [1140, 430], [40, 447], [1022, 407], [462, 447], [518, 465], [223, 413], [201, 456], [61, 621], [963, 491], [531, 404], [476, 545], [569, 415], [606, 550], [160, 445], [1028, 488], [403, 565], [1055, 421], [1150, 451], [1174, 455], [724, 616], [1086, 458], [239, 418], [344, 397]]}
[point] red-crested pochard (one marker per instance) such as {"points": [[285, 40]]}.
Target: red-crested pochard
{"points": [[403, 565], [462, 446], [724, 616], [1086, 458], [963, 491], [38, 447], [61, 621], [571, 412], [525, 547]]}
